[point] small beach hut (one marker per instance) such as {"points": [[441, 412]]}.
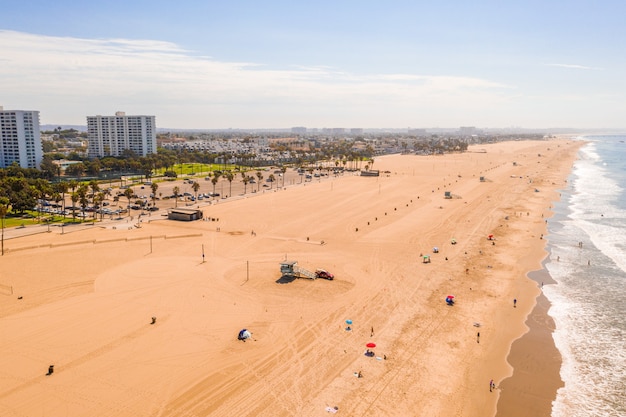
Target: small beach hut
{"points": [[426, 259]]}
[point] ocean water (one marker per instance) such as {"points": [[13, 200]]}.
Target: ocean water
{"points": [[588, 301]]}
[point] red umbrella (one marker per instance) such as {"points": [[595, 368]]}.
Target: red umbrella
{"points": [[371, 345], [450, 296]]}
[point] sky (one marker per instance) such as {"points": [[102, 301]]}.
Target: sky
{"points": [[343, 63]]}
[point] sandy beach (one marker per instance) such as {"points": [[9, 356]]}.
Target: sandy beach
{"points": [[83, 301]]}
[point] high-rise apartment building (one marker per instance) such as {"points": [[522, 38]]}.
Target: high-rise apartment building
{"points": [[112, 135], [20, 139]]}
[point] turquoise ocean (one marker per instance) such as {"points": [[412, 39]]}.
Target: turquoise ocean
{"points": [[587, 259]]}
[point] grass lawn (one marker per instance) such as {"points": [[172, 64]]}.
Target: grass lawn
{"points": [[30, 218]]}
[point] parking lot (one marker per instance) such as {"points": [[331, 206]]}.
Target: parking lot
{"points": [[117, 204]]}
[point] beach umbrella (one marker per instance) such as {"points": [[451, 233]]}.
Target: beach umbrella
{"points": [[450, 296], [348, 321], [371, 345]]}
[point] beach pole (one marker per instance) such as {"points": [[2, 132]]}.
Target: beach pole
{"points": [[203, 253], [150, 243]]}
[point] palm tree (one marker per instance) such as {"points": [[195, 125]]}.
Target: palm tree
{"points": [[5, 205], [271, 178], [195, 186], [63, 188], [42, 188], [97, 202], [214, 181], [245, 180], [259, 175], [74, 197], [93, 184], [56, 197], [73, 184], [283, 169], [154, 187], [230, 177], [129, 193], [82, 195], [176, 191]]}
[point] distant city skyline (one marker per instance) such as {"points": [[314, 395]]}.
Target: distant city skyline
{"points": [[349, 64]]}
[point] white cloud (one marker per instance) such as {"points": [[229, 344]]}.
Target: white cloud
{"points": [[70, 78], [574, 66]]}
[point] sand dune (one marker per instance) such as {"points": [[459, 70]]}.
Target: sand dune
{"points": [[86, 304]]}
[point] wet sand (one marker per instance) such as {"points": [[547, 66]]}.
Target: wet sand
{"points": [[536, 362], [87, 297]]}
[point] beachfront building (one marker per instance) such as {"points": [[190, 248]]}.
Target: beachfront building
{"points": [[184, 214], [20, 139], [112, 135]]}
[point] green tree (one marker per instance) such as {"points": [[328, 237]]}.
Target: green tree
{"points": [[73, 184], [42, 189], [82, 197], [214, 181], [48, 168], [97, 202], [246, 180], [129, 193], [76, 170], [62, 188], [74, 197], [229, 176], [195, 186], [154, 187], [259, 176], [93, 184], [5, 205]]}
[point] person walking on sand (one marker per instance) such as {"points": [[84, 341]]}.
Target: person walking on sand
{"points": [[372, 332], [491, 385], [515, 302], [478, 337], [50, 370]]}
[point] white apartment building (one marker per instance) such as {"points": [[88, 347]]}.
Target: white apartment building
{"points": [[20, 139], [112, 135]]}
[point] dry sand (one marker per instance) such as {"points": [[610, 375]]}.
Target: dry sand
{"points": [[86, 298]]}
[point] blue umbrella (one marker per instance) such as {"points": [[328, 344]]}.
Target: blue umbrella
{"points": [[348, 321]]}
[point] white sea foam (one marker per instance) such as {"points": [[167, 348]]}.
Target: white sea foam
{"points": [[586, 303]]}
